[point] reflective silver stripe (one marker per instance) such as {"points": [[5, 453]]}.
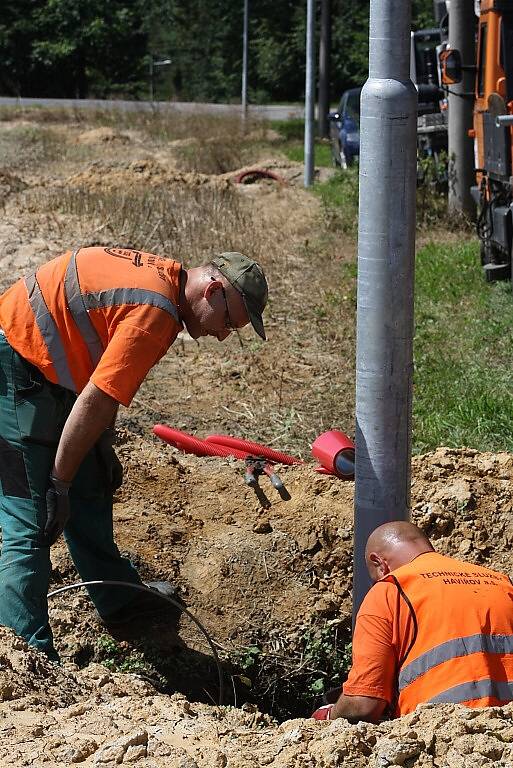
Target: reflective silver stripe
{"points": [[118, 296], [476, 689], [452, 649], [49, 332], [80, 315]]}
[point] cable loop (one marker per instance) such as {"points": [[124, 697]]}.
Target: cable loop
{"points": [[175, 603]]}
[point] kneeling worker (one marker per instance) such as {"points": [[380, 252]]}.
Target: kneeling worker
{"points": [[77, 339], [432, 629]]}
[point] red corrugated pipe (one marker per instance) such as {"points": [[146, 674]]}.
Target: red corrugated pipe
{"points": [[257, 173], [330, 448], [191, 444], [253, 449]]}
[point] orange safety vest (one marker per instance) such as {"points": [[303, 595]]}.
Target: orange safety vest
{"points": [[63, 317], [461, 621]]}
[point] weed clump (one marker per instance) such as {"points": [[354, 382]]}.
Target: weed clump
{"points": [[288, 679], [182, 223], [339, 199]]}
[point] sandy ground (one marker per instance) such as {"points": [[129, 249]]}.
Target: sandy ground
{"points": [[261, 573], [53, 718]]}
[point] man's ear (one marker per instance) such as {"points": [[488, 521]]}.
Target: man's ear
{"points": [[380, 564], [211, 287], [383, 566]]}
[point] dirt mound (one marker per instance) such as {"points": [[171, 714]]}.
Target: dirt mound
{"points": [[102, 135], [29, 679], [113, 724], [269, 578], [118, 174], [243, 561], [128, 173], [464, 499]]}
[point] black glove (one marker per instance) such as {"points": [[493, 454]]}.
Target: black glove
{"points": [[57, 510], [111, 464]]}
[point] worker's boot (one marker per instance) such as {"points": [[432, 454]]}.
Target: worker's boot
{"points": [[146, 611]]}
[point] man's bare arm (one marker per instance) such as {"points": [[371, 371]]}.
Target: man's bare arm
{"points": [[356, 708], [92, 413]]}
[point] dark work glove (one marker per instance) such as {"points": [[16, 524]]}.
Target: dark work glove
{"points": [[110, 463], [57, 510]]}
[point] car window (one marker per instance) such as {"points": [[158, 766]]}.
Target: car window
{"points": [[353, 106]]}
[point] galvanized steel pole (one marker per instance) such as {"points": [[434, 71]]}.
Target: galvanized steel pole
{"points": [[461, 147], [323, 102], [244, 98], [386, 252], [309, 93]]}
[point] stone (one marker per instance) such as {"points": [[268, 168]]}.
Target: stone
{"points": [[262, 526]]}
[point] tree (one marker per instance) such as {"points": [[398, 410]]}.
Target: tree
{"points": [[73, 47], [102, 47], [16, 32]]}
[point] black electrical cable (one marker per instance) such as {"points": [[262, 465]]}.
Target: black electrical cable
{"points": [[154, 593]]}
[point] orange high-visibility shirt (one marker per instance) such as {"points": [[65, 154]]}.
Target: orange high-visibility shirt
{"points": [[435, 630], [105, 315]]}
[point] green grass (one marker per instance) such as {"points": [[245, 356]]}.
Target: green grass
{"points": [[290, 130], [339, 199], [464, 329], [463, 352], [322, 153], [292, 133]]}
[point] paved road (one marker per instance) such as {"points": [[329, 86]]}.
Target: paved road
{"points": [[267, 112]]}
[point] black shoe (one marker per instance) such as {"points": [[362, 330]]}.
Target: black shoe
{"points": [[151, 608]]}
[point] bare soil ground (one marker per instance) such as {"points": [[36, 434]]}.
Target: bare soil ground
{"points": [[270, 579]]}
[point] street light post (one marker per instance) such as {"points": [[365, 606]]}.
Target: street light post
{"points": [[386, 257], [309, 93], [244, 95], [153, 64]]}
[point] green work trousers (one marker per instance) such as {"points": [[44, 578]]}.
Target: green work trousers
{"points": [[32, 415]]}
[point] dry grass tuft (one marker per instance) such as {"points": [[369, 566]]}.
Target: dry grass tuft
{"points": [[182, 223]]}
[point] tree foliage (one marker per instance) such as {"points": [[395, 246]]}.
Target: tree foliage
{"points": [[102, 48], [71, 47]]}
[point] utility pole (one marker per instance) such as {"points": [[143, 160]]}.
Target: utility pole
{"points": [[153, 64], [244, 98], [324, 68], [386, 254], [461, 148], [309, 93]]}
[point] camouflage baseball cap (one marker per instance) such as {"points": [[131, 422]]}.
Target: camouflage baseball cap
{"points": [[248, 278]]}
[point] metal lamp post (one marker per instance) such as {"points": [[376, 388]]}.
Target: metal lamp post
{"points": [[244, 95], [154, 64], [386, 251], [309, 93]]}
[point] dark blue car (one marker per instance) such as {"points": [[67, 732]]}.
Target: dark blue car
{"points": [[345, 129]]}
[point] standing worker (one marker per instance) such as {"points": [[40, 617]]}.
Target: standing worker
{"points": [[77, 339], [432, 629]]}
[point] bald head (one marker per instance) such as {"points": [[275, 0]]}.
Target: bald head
{"points": [[392, 545]]}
